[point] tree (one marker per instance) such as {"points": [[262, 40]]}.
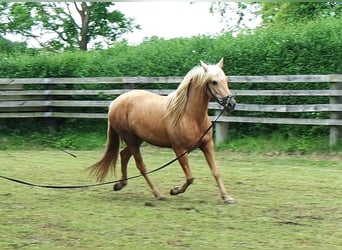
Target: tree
{"points": [[238, 16], [66, 24], [279, 13]]}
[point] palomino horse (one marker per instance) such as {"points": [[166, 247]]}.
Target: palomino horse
{"points": [[177, 121]]}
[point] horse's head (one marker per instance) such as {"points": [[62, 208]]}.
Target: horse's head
{"points": [[217, 85]]}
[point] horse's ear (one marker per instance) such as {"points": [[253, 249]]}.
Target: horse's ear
{"points": [[204, 66], [220, 63]]}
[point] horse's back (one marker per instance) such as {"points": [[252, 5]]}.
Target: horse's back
{"points": [[137, 99]]}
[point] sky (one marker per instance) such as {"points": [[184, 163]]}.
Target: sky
{"points": [[170, 19]]}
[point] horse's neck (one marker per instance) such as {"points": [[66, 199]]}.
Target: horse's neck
{"points": [[197, 105]]}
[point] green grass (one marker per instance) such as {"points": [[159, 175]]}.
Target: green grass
{"points": [[274, 143], [277, 143], [282, 202]]}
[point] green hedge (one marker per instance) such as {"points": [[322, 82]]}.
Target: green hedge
{"points": [[314, 48]]}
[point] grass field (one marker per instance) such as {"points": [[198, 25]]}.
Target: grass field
{"points": [[282, 202]]}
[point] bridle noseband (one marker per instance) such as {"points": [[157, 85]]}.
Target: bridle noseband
{"points": [[222, 101]]}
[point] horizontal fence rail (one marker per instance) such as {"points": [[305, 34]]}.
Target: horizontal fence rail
{"points": [[90, 97]]}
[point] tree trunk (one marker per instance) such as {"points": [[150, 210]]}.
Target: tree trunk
{"points": [[85, 16]]}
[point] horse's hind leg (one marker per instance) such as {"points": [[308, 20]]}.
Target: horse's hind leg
{"points": [[125, 155], [142, 168]]}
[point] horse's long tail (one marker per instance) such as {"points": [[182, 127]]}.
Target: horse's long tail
{"points": [[101, 168]]}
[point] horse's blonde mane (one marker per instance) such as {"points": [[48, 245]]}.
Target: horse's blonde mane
{"points": [[177, 100]]}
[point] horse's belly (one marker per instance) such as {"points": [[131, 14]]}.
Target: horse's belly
{"points": [[157, 141], [153, 132]]}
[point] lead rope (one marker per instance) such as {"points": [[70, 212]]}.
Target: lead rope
{"points": [[193, 147]]}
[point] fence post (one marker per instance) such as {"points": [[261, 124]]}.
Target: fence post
{"points": [[221, 130], [335, 131], [51, 122], [129, 85]]}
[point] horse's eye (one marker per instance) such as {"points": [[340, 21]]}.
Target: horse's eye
{"points": [[214, 82]]}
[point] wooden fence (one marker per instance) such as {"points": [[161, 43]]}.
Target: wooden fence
{"points": [[90, 97]]}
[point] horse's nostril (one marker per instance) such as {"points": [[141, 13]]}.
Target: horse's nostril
{"points": [[230, 107], [231, 104]]}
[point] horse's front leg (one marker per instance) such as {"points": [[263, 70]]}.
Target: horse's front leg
{"points": [[184, 162], [208, 150]]}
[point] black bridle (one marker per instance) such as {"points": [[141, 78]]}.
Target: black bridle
{"points": [[224, 102]]}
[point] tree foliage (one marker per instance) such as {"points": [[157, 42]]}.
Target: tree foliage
{"points": [[68, 24], [282, 13], [237, 16]]}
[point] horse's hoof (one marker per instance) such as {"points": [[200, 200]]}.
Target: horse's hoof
{"points": [[229, 201], [117, 187], [150, 204], [174, 191], [162, 198]]}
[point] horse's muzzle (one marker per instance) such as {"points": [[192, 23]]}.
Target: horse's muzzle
{"points": [[230, 106], [228, 103]]}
